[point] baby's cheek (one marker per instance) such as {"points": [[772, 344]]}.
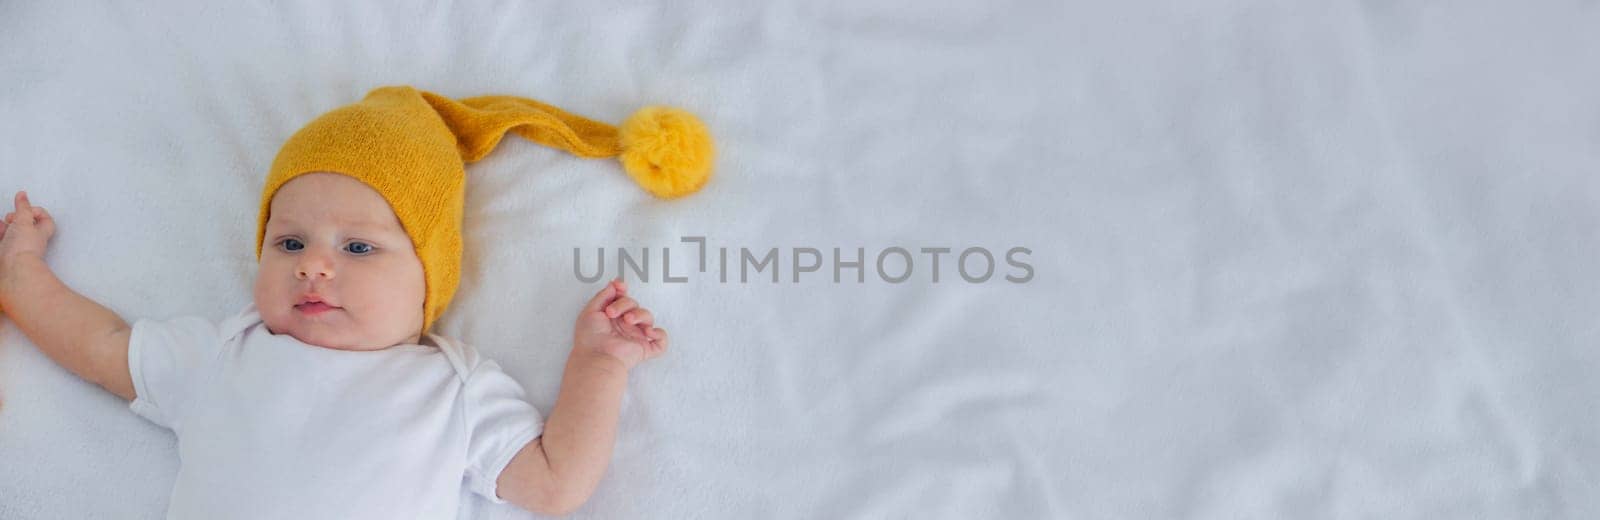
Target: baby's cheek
{"points": [[404, 283], [261, 292]]}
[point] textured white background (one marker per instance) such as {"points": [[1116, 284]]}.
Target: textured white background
{"points": [[1293, 259]]}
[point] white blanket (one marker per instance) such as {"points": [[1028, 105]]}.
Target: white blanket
{"points": [[1287, 261]]}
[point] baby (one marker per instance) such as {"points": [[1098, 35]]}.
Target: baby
{"points": [[329, 396]]}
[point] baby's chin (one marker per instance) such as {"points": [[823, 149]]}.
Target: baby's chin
{"points": [[325, 335]]}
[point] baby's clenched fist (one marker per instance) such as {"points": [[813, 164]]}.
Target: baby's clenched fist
{"points": [[25, 231], [614, 324]]}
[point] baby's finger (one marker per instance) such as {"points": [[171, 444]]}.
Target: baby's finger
{"points": [[22, 201], [640, 316], [623, 304], [660, 340], [43, 219], [601, 299]]}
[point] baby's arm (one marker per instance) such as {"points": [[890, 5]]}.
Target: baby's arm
{"points": [[76, 332], [557, 472]]}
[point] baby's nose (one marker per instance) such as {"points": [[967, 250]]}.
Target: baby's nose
{"points": [[310, 268]]}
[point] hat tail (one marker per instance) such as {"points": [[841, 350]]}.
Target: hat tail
{"points": [[666, 150], [480, 122]]}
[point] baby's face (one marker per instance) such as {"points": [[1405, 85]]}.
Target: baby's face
{"points": [[332, 238]]}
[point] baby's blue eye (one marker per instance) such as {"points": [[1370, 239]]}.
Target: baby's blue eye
{"points": [[290, 244], [358, 248]]}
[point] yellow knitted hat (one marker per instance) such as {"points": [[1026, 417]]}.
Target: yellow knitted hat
{"points": [[412, 147]]}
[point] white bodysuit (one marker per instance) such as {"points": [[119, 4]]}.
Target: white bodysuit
{"points": [[269, 427]]}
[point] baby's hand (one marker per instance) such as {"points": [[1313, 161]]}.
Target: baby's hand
{"points": [[25, 231], [614, 324]]}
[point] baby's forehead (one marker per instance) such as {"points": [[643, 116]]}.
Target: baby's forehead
{"points": [[313, 198], [333, 216], [324, 200]]}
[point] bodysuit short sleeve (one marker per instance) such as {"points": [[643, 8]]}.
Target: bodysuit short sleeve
{"points": [[164, 358], [499, 422]]}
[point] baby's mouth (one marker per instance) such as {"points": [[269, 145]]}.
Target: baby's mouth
{"points": [[314, 308]]}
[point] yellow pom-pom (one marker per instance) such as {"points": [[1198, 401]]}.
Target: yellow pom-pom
{"points": [[666, 150]]}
